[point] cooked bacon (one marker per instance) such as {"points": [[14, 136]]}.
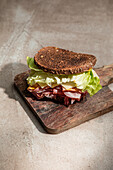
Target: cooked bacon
{"points": [[58, 93], [73, 95], [72, 101]]}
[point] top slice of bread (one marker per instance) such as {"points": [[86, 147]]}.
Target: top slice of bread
{"points": [[60, 61]]}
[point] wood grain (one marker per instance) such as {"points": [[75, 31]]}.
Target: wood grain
{"points": [[56, 118], [106, 74]]}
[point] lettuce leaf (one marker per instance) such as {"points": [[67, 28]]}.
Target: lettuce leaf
{"points": [[31, 64], [87, 81]]}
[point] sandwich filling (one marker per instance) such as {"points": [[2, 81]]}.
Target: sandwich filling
{"points": [[67, 88]]}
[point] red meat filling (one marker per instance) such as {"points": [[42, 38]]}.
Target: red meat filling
{"points": [[58, 93]]}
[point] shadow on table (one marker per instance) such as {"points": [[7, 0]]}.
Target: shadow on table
{"points": [[7, 74]]}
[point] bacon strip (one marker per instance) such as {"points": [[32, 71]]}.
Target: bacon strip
{"points": [[58, 93]]}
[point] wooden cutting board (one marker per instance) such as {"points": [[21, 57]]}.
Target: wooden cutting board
{"points": [[56, 118]]}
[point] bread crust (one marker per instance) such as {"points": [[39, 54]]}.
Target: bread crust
{"points": [[60, 61]]}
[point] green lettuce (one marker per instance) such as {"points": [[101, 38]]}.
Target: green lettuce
{"points": [[87, 81]]}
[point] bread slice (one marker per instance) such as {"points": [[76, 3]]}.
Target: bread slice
{"points": [[60, 61]]}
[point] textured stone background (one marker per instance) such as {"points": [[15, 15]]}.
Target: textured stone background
{"points": [[25, 27]]}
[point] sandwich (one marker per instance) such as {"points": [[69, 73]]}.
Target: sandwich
{"points": [[62, 75]]}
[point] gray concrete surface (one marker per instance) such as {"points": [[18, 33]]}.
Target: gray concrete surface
{"points": [[25, 27]]}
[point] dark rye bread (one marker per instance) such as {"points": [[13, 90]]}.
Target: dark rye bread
{"points": [[60, 61]]}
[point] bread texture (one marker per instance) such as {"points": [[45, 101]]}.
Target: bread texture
{"points": [[60, 61]]}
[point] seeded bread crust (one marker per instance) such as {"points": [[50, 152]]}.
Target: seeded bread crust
{"points": [[60, 61]]}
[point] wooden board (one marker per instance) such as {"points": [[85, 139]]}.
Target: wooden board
{"points": [[56, 118]]}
